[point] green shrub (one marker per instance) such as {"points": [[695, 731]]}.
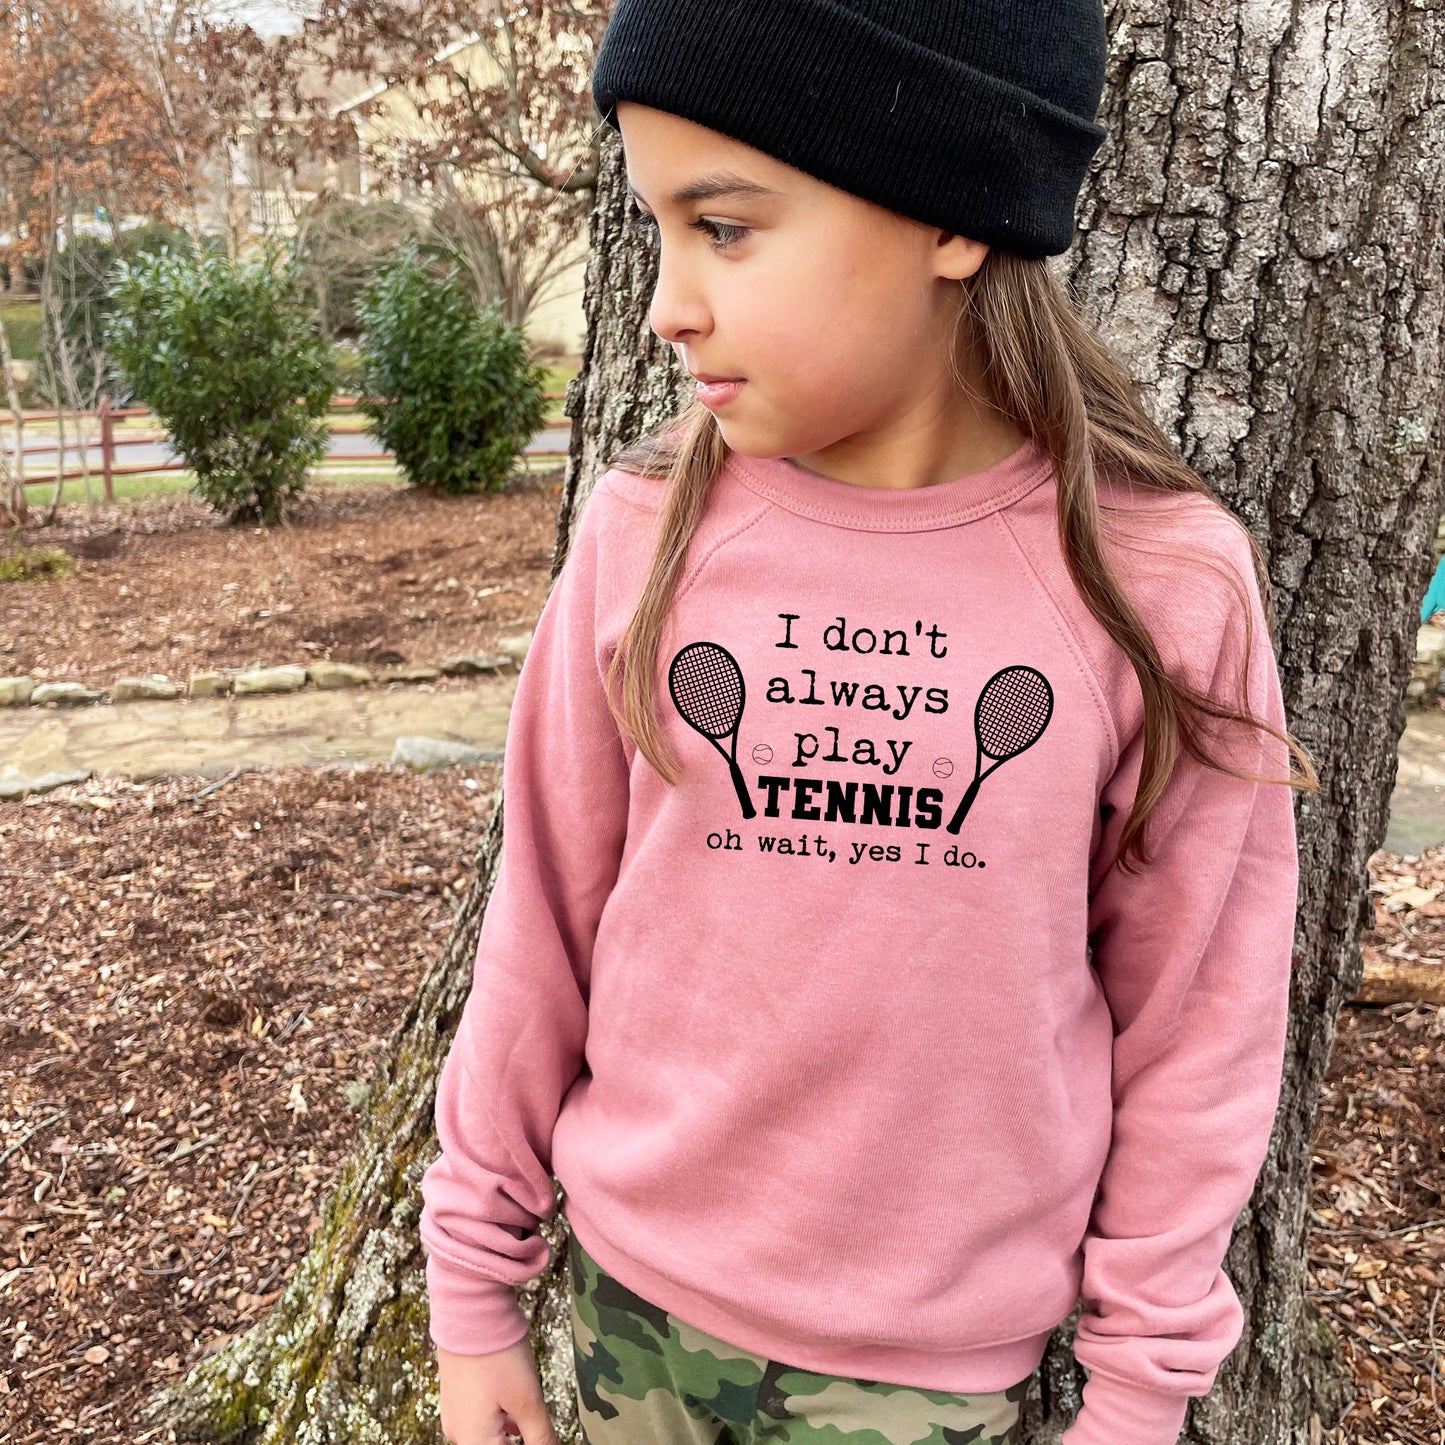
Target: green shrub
{"points": [[25, 562], [449, 389], [147, 238], [228, 357]]}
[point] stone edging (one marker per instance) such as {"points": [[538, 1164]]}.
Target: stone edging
{"points": [[291, 677]]}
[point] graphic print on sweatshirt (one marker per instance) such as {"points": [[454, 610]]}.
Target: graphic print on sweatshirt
{"points": [[710, 693]]}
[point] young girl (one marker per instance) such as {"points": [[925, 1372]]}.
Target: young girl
{"points": [[830, 964]]}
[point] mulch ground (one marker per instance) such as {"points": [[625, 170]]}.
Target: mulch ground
{"points": [[1377, 1245], [379, 574], [193, 991]]}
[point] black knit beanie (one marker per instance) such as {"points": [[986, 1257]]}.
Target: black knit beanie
{"points": [[976, 116]]}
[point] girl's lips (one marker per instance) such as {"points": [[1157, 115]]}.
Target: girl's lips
{"points": [[718, 393]]}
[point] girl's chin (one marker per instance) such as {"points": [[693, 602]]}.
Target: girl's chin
{"points": [[743, 430]]}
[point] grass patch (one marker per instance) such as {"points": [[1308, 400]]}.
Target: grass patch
{"points": [[129, 487], [136, 486], [362, 476], [24, 563]]}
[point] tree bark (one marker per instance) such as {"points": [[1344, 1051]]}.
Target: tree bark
{"points": [[1260, 239]]}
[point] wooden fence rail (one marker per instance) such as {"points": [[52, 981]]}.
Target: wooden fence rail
{"points": [[109, 444]]}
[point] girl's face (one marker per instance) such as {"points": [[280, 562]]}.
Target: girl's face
{"points": [[837, 313]]}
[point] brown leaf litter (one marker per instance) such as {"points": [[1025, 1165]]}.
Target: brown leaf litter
{"points": [[381, 574], [195, 990]]}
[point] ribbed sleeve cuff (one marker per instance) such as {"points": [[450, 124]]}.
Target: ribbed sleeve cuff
{"points": [[471, 1315], [1117, 1413]]}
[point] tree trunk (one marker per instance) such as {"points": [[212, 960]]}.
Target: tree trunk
{"points": [[1263, 245], [1265, 248]]}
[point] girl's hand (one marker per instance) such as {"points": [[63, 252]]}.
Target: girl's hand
{"points": [[486, 1398]]}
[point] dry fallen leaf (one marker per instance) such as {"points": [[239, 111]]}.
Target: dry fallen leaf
{"points": [[1412, 896]]}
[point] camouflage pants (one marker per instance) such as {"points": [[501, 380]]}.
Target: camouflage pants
{"points": [[646, 1378]]}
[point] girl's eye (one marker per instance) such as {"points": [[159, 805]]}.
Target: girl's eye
{"points": [[720, 233]]}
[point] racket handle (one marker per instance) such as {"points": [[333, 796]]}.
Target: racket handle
{"points": [[749, 811], [964, 804]]}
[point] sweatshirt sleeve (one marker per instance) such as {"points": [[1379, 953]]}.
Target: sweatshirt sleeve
{"points": [[519, 1043], [1194, 954]]}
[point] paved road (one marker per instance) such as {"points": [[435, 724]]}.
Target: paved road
{"points": [[343, 444]]}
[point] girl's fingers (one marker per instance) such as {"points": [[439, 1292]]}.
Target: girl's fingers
{"points": [[536, 1425]]}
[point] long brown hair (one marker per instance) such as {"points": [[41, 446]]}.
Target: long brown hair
{"points": [[1058, 382]]}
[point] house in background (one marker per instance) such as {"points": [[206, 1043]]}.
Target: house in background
{"points": [[515, 251]]}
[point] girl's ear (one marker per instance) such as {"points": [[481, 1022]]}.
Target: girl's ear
{"points": [[958, 257]]}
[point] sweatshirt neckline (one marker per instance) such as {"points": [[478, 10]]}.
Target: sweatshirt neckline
{"points": [[895, 509]]}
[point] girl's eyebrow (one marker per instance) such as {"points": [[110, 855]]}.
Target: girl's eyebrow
{"points": [[715, 183]]}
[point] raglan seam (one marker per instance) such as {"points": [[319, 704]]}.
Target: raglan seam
{"points": [[695, 570], [603, 484], [1072, 640], [762, 506]]}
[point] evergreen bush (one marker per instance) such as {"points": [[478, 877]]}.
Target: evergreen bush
{"points": [[449, 389], [228, 356]]}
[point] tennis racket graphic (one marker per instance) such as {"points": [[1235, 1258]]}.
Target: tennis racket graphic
{"points": [[707, 689], [1011, 714]]}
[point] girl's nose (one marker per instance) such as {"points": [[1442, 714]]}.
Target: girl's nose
{"points": [[678, 310]]}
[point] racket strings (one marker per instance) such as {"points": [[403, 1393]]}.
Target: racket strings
{"points": [[707, 688], [1013, 710]]}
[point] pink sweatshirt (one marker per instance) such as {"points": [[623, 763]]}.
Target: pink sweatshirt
{"points": [[835, 1055]]}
